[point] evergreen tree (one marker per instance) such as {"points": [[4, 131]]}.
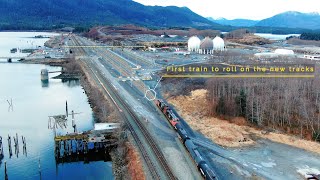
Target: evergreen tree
{"points": [[241, 101]]}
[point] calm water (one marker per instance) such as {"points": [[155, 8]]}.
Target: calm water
{"points": [[275, 36], [33, 102]]}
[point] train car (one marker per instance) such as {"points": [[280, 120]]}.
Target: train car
{"points": [[182, 133], [165, 110], [190, 146], [203, 167], [206, 171], [172, 118], [198, 159], [160, 104]]}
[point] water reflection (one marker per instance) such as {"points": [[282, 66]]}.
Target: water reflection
{"points": [[71, 83], [68, 82], [33, 101], [45, 83]]}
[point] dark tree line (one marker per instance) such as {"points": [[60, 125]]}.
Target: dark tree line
{"points": [[310, 36], [292, 105], [236, 34]]}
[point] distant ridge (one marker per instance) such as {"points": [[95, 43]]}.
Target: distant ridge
{"points": [[293, 19], [22, 14], [289, 19], [234, 22]]}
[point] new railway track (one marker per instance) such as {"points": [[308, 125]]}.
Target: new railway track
{"points": [[148, 137]]}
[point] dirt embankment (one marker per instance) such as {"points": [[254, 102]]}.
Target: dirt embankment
{"points": [[54, 42], [46, 61], [126, 160], [233, 133], [134, 164], [250, 39]]}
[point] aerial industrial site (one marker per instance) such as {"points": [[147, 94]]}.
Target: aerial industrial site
{"points": [[138, 100]]}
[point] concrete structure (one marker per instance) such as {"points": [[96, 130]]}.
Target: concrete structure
{"points": [[105, 127]]}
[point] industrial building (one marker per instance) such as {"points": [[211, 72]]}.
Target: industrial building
{"points": [[275, 54]]}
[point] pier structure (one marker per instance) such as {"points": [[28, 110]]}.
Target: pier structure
{"points": [[57, 121], [84, 146]]}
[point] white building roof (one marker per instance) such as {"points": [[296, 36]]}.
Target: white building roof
{"points": [[284, 52], [267, 55]]}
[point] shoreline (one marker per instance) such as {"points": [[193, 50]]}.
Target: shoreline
{"points": [[28, 31], [122, 163]]}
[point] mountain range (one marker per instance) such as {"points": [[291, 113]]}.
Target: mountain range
{"points": [[290, 19], [234, 22], [52, 14], [47, 13]]}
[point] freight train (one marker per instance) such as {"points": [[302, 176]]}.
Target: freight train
{"points": [[188, 143]]}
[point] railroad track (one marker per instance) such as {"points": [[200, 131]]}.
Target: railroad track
{"points": [[148, 137], [137, 58], [119, 64], [123, 67]]}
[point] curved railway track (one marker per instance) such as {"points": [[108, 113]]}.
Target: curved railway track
{"points": [[148, 137]]}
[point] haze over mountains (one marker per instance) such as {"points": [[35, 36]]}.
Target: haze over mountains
{"points": [[48, 14], [290, 19], [234, 22]]}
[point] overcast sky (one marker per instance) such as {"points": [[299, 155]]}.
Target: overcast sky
{"points": [[232, 9]]}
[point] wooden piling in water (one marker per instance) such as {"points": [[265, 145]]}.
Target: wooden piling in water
{"points": [[40, 169], [9, 144], [1, 148], [5, 171], [24, 144], [67, 108]]}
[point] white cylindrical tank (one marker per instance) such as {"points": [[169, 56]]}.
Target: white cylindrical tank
{"points": [[206, 44], [218, 44], [193, 43]]}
